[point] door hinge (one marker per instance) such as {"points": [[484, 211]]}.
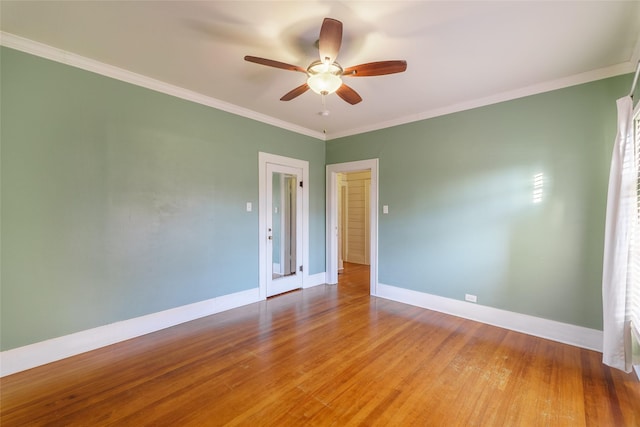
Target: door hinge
{"points": [[300, 184], [300, 268]]}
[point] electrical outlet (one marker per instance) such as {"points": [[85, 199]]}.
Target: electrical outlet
{"points": [[470, 298]]}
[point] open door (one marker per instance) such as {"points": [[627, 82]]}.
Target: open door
{"points": [[284, 229], [283, 224]]}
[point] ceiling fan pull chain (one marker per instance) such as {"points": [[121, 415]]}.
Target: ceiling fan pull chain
{"points": [[324, 111]]}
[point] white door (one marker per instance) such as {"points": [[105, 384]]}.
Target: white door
{"points": [[284, 228]]}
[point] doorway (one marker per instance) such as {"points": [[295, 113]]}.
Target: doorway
{"points": [[284, 204], [334, 192], [354, 190]]}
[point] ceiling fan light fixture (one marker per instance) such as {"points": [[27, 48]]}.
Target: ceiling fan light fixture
{"points": [[324, 84], [324, 78]]}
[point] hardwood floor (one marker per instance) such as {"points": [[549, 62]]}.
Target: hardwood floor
{"points": [[329, 355]]}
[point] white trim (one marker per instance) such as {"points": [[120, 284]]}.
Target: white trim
{"points": [[40, 353], [332, 218], [58, 55], [550, 329], [635, 56], [263, 159], [315, 280], [49, 52], [589, 76]]}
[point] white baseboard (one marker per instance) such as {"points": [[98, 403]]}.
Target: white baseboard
{"points": [[30, 356], [314, 280], [40, 353], [550, 329]]}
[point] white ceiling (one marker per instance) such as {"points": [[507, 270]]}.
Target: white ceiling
{"points": [[459, 54]]}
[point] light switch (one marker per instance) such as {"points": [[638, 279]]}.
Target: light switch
{"points": [[385, 209], [249, 207]]}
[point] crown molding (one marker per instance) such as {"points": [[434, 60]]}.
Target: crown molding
{"points": [[577, 79], [635, 56], [58, 55]]}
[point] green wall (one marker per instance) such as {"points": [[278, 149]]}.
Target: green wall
{"points": [[461, 215], [118, 201]]}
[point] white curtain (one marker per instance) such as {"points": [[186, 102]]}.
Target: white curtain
{"points": [[620, 222]]}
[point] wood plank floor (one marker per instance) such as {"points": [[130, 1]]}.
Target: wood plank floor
{"points": [[329, 355]]}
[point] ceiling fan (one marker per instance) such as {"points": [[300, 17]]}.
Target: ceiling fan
{"points": [[325, 75]]}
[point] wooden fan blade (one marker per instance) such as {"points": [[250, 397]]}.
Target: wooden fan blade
{"points": [[330, 40], [276, 64], [348, 94], [375, 69], [295, 93]]}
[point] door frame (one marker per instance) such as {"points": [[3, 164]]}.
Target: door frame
{"points": [[263, 159], [332, 219]]}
